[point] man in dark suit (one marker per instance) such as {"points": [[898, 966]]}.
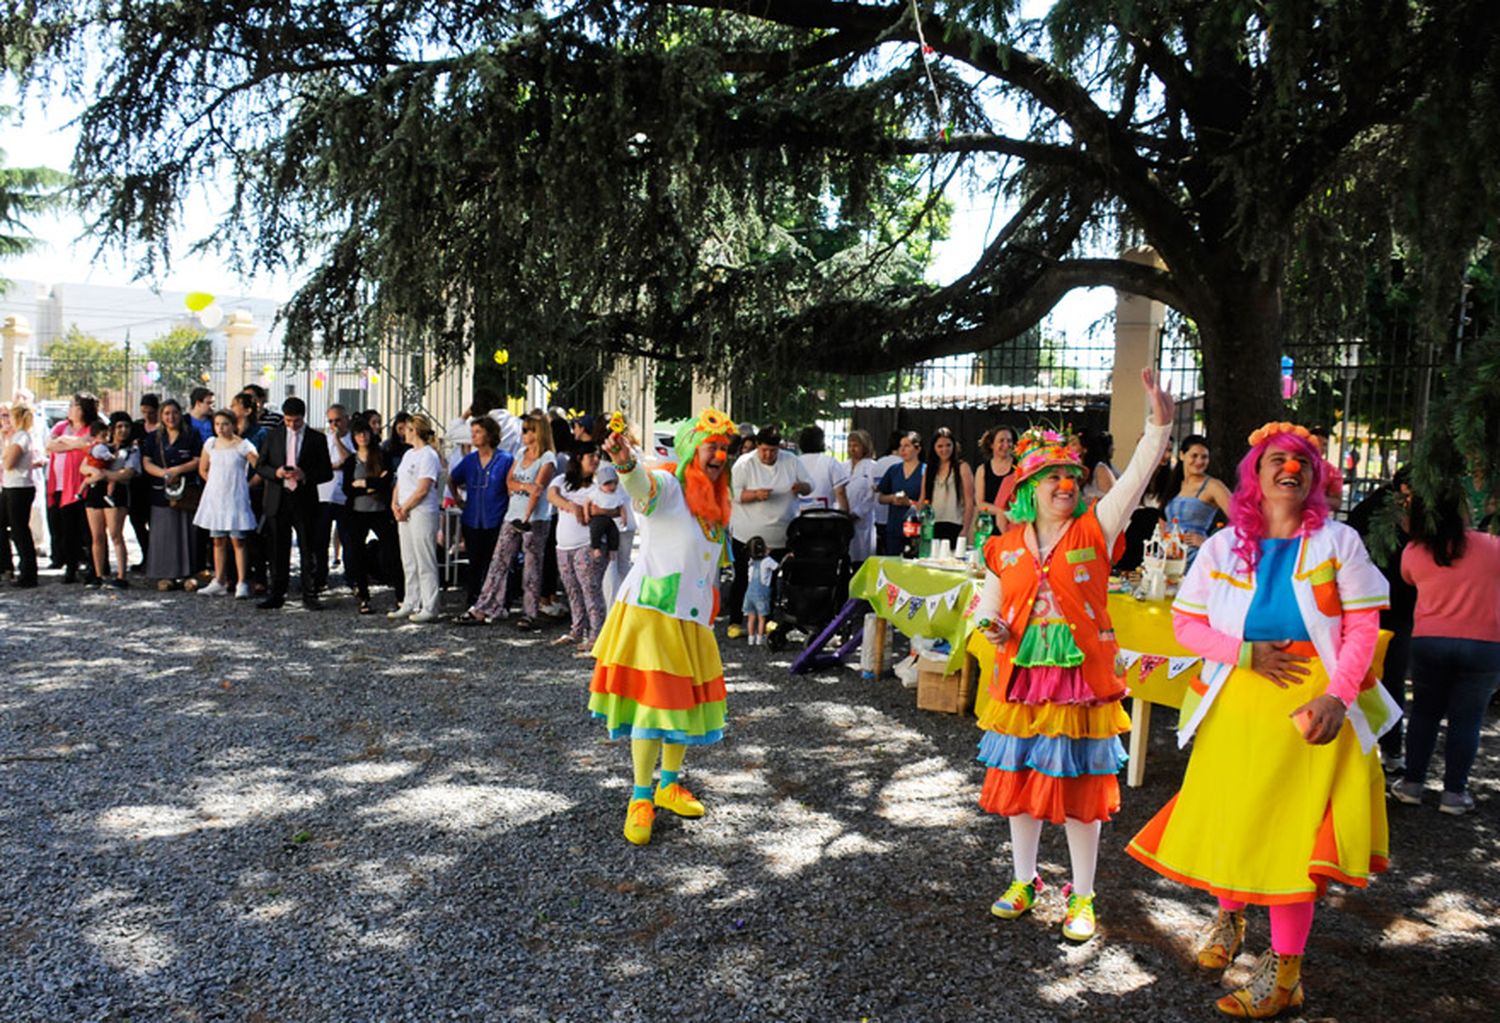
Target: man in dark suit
{"points": [[293, 461]]}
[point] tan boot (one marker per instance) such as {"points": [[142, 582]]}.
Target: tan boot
{"points": [[1274, 987], [1222, 940]]}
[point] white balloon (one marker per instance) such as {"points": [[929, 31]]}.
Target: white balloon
{"points": [[211, 316]]}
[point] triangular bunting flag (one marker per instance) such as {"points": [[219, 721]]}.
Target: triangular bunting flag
{"points": [[913, 606], [1129, 657], [892, 594], [951, 597], [1177, 665], [973, 606], [1149, 663], [881, 582]]}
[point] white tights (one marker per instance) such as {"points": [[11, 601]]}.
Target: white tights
{"points": [[1083, 848]]}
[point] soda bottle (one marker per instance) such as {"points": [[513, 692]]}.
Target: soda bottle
{"points": [[929, 520], [911, 529], [983, 530]]}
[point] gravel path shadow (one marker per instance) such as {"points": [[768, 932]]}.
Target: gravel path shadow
{"points": [[213, 813]]}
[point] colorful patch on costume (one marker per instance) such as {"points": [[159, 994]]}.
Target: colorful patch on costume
{"points": [[1081, 554], [1080, 574], [660, 592], [1009, 558]]}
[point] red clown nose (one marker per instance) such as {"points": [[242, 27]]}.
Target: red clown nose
{"points": [[1067, 486], [718, 458], [1291, 465]]}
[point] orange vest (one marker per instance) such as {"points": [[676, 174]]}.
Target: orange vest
{"points": [[1078, 573]]}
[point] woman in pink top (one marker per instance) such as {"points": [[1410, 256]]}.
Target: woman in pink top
{"points": [[1455, 648], [66, 450]]}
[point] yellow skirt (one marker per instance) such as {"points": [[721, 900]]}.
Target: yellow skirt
{"points": [[1262, 816]]}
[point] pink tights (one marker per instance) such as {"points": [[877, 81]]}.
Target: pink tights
{"points": [[1290, 925]]}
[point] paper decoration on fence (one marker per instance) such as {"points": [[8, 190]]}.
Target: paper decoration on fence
{"points": [[502, 356], [1177, 665], [1149, 663]]}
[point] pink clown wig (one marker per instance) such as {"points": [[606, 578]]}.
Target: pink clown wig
{"points": [[1245, 514]]}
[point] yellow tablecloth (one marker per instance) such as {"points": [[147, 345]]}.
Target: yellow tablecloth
{"points": [[1143, 627]]}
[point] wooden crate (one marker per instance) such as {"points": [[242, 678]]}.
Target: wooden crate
{"points": [[946, 694]]}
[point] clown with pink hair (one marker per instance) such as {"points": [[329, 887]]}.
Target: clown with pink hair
{"points": [[1283, 792], [1051, 741]]}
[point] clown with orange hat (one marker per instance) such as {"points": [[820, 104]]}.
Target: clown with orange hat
{"points": [[657, 678], [1051, 733]]}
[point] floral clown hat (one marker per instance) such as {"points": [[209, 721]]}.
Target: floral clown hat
{"points": [[1040, 449], [710, 423]]}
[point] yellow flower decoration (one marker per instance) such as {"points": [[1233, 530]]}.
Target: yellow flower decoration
{"points": [[714, 423]]}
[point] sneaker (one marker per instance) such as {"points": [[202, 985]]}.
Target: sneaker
{"points": [[1395, 765], [1275, 985], [638, 820], [1222, 940], [554, 610], [118, 583], [679, 800], [1018, 899], [1079, 923], [735, 631], [1456, 803], [213, 589], [242, 591], [422, 618], [1408, 792], [398, 614]]}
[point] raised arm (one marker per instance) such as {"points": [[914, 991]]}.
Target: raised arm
{"points": [[1114, 508]]}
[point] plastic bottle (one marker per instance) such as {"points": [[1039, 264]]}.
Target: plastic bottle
{"points": [[929, 521], [911, 529], [983, 530]]}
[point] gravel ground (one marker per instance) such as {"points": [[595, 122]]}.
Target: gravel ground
{"points": [[209, 812]]}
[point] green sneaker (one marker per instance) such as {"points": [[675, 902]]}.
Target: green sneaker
{"points": [[1078, 923], [1018, 899]]}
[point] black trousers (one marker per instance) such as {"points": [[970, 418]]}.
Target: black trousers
{"points": [[332, 516], [303, 517], [479, 545], [15, 528], [357, 560], [1397, 660], [140, 512], [70, 536]]}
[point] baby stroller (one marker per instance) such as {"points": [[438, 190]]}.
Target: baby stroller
{"points": [[812, 582]]}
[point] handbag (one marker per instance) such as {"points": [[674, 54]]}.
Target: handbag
{"points": [[183, 491]]}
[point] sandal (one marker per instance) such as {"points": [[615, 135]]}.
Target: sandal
{"points": [[525, 624], [564, 639], [470, 618], [365, 608]]}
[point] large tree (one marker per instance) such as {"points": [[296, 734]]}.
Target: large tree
{"points": [[617, 174]]}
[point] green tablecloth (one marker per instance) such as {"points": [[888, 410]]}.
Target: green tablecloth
{"points": [[920, 600]]}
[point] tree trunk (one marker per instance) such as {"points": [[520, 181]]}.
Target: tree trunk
{"points": [[1241, 366]]}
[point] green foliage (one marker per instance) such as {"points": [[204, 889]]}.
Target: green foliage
{"points": [[688, 181], [25, 193], [182, 356], [81, 362]]}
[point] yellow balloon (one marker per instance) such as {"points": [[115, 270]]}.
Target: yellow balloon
{"points": [[502, 356], [206, 378], [198, 301]]}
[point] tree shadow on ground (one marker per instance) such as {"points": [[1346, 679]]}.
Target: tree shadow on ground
{"points": [[214, 814]]}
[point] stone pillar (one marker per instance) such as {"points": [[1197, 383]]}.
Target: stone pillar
{"points": [[239, 331], [16, 334], [630, 388], [1138, 323], [708, 393]]}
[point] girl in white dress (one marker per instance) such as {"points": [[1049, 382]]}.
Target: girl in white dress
{"points": [[224, 509]]}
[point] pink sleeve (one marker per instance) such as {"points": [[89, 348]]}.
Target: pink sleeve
{"points": [[1360, 630], [1194, 632]]}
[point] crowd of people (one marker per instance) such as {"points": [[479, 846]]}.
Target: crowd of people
{"points": [[1281, 602]]}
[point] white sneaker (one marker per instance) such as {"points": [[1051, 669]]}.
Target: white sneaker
{"points": [[554, 609], [213, 589], [398, 614], [423, 617], [242, 591]]}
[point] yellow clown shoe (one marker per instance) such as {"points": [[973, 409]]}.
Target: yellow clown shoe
{"points": [[677, 799], [1274, 986], [638, 820], [1079, 923], [1221, 941], [1018, 899]]}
